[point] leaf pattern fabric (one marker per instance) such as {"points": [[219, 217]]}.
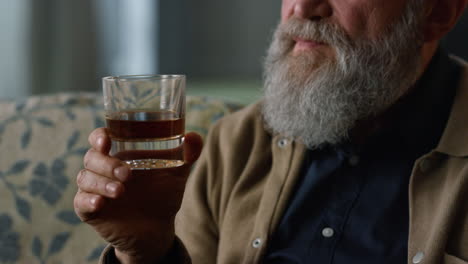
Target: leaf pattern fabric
{"points": [[42, 143]]}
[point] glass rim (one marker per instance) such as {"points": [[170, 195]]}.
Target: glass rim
{"points": [[143, 77]]}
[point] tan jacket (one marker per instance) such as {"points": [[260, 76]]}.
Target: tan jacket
{"points": [[240, 188]]}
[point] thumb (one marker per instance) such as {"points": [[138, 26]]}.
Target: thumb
{"points": [[193, 144]]}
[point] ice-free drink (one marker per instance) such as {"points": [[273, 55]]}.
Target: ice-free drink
{"points": [[145, 116], [147, 140]]}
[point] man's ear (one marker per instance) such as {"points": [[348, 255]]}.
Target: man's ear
{"points": [[441, 17]]}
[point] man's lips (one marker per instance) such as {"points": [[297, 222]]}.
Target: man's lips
{"points": [[306, 44]]}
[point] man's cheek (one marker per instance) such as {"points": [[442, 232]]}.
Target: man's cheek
{"points": [[287, 9]]}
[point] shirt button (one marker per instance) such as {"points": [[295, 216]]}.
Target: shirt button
{"points": [[418, 257], [257, 243], [282, 143], [354, 160], [328, 232]]}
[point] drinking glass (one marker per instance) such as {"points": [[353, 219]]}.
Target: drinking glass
{"points": [[145, 117]]}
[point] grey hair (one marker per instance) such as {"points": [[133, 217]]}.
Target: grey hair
{"points": [[320, 102]]}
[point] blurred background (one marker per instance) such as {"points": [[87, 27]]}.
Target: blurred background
{"points": [[49, 46]]}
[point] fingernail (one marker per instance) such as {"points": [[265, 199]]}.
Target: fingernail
{"points": [[100, 141], [111, 188], [122, 173], [93, 201]]}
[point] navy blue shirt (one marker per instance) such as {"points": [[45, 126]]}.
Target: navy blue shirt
{"points": [[351, 204]]}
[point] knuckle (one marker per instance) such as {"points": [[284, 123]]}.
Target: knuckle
{"points": [[77, 205], [78, 213], [75, 201], [81, 215], [89, 182], [84, 213], [87, 157], [94, 185], [81, 176]]}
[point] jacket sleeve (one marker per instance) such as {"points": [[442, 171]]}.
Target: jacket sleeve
{"points": [[177, 255], [198, 219]]}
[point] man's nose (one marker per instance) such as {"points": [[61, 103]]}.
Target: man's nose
{"points": [[312, 9]]}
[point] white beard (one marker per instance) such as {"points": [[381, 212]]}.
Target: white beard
{"points": [[318, 100]]}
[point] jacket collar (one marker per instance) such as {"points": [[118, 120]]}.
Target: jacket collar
{"points": [[454, 139]]}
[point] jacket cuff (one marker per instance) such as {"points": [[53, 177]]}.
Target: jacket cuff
{"points": [[108, 256], [177, 255]]}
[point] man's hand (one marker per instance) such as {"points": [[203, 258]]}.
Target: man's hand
{"points": [[134, 213]]}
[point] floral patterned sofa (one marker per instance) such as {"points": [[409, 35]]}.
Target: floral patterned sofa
{"points": [[42, 142]]}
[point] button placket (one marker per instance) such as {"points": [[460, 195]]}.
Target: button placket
{"points": [[283, 142], [328, 232]]}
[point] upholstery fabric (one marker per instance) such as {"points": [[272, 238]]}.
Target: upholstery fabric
{"points": [[42, 143]]}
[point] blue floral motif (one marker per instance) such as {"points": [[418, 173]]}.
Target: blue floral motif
{"points": [[69, 217], [49, 182], [96, 253], [55, 246], [9, 241], [22, 206], [32, 177], [19, 167], [26, 115]]}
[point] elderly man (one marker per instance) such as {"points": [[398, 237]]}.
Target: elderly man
{"points": [[358, 153]]}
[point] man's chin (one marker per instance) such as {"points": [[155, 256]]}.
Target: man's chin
{"points": [[308, 47], [310, 60], [302, 69]]}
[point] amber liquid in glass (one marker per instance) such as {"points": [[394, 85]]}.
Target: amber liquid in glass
{"points": [[147, 140]]}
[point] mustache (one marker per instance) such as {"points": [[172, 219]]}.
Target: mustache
{"points": [[317, 31]]}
